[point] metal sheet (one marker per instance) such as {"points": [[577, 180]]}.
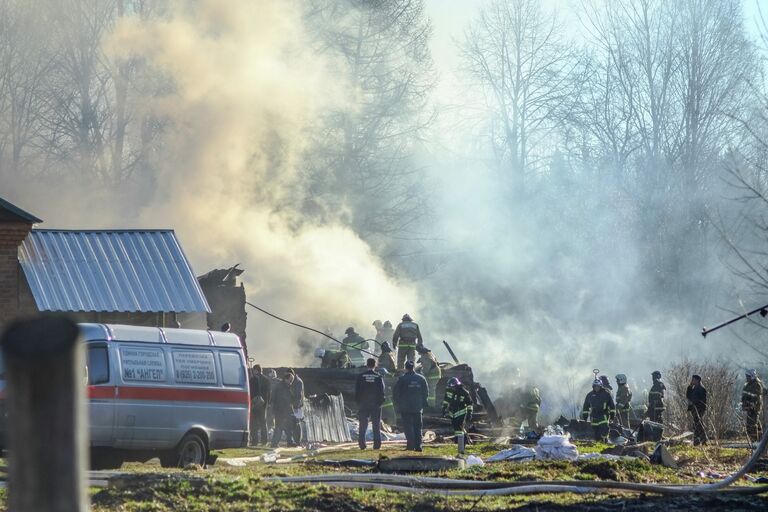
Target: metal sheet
{"points": [[110, 271], [325, 420]]}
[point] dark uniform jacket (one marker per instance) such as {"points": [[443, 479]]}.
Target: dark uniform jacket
{"points": [[369, 390], [623, 397], [599, 406], [354, 344], [697, 399], [410, 393], [282, 399], [254, 386], [457, 402], [387, 361], [656, 395], [408, 333], [752, 396]]}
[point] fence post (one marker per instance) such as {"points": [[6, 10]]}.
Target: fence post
{"points": [[47, 434]]}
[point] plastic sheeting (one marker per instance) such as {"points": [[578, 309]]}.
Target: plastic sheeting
{"points": [[556, 447], [516, 453]]}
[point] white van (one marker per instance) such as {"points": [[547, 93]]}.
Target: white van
{"points": [[175, 394]]}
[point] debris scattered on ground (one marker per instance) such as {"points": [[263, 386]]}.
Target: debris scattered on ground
{"points": [[662, 456], [556, 447], [474, 460], [516, 453]]}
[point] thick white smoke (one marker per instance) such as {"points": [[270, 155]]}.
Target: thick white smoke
{"points": [[242, 89]]}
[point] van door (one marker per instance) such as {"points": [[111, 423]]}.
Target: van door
{"points": [[101, 394], [144, 418]]}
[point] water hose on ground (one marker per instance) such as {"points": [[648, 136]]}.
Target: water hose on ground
{"points": [[449, 487]]}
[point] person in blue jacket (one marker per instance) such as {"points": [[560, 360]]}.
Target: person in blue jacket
{"points": [[410, 397]]}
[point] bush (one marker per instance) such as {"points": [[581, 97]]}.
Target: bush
{"points": [[723, 394]]}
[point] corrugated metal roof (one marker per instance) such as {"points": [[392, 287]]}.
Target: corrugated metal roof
{"points": [[115, 271], [325, 420]]}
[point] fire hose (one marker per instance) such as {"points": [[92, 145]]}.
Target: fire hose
{"points": [[345, 345], [450, 487]]}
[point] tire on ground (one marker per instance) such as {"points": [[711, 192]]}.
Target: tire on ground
{"points": [[192, 449]]}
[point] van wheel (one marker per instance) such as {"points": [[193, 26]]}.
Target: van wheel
{"points": [[191, 450]]}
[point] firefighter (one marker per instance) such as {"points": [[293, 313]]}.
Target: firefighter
{"points": [[656, 404], [388, 408], [334, 359], [623, 400], [379, 337], [696, 395], [599, 406], [410, 397], [752, 405], [369, 395], [431, 371], [457, 406], [386, 360], [530, 407], [387, 331], [354, 344], [606, 384], [408, 336]]}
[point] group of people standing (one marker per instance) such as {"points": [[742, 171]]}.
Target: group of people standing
{"points": [[277, 404], [411, 396], [601, 409]]}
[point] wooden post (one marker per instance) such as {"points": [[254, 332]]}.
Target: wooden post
{"points": [[47, 435]]}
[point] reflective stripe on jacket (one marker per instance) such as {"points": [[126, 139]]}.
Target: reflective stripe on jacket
{"points": [[599, 406]]}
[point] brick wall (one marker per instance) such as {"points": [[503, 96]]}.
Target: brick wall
{"points": [[11, 277]]}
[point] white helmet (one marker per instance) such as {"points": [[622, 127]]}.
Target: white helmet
{"points": [[752, 373], [597, 382], [319, 352], [621, 379]]}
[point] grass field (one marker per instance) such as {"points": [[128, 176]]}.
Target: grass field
{"points": [[224, 487]]}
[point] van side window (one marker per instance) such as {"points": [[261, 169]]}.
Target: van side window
{"points": [[231, 369], [98, 365]]}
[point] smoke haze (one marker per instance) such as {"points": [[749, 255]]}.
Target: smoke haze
{"points": [[556, 281]]}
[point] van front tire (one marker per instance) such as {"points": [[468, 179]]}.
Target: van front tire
{"points": [[191, 450]]}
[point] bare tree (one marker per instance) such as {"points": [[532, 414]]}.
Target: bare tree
{"points": [[92, 125], [720, 378], [515, 53], [666, 79], [26, 58], [363, 159]]}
